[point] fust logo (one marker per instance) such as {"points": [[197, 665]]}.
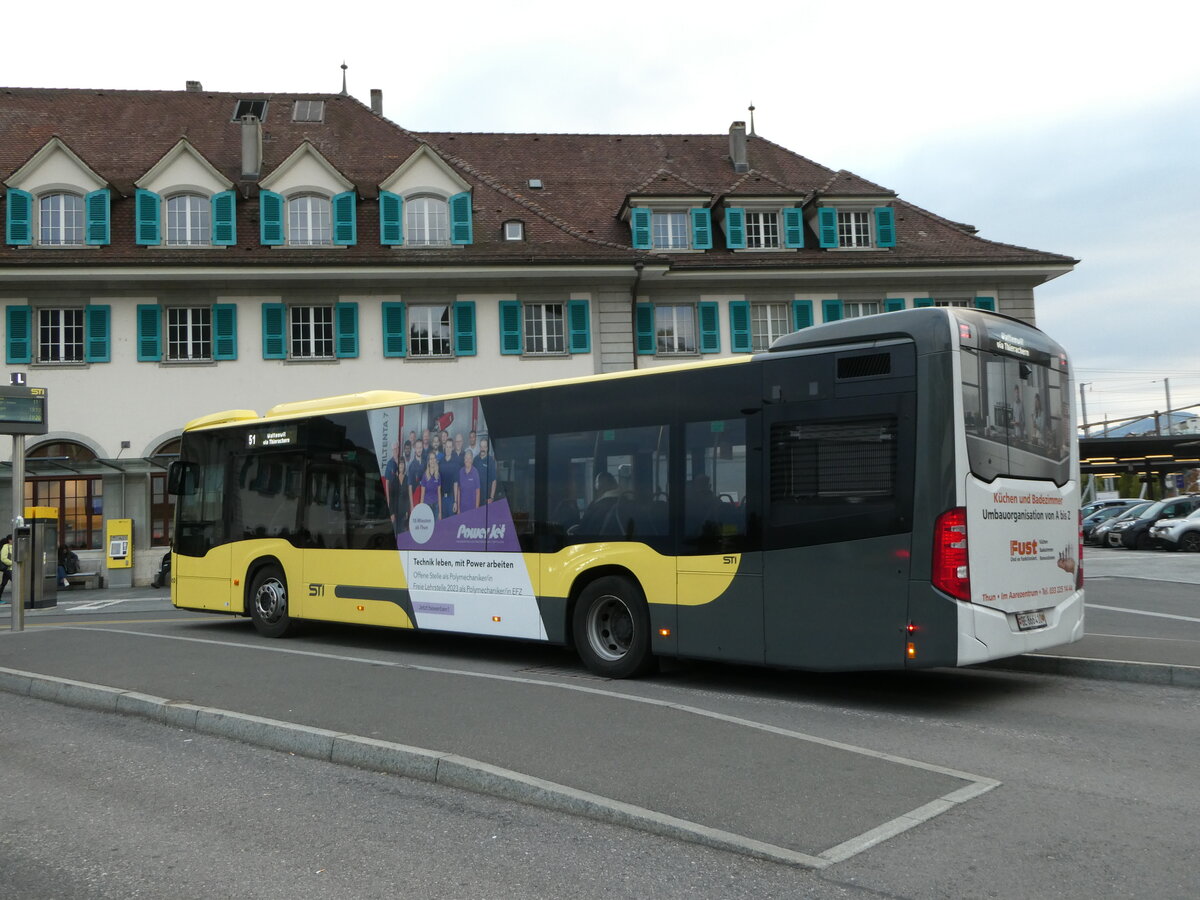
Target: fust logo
{"points": [[1023, 548]]}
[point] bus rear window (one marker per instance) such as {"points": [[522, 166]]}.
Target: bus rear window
{"points": [[1017, 415]]}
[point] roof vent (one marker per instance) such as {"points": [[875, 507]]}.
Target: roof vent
{"points": [[535, 184], [194, 87]]}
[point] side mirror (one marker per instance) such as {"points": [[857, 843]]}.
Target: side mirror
{"points": [[182, 478]]}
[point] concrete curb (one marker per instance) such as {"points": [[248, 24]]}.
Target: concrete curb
{"points": [[1103, 669], [398, 759]]}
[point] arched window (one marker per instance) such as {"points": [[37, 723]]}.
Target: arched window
{"points": [[162, 504], [78, 498], [189, 220], [60, 220], [309, 221], [426, 221]]}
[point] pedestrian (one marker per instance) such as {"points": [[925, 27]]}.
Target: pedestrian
{"points": [[6, 563]]}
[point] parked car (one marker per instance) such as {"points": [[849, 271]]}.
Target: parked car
{"points": [[1116, 503], [1133, 533], [1178, 534], [1103, 514], [1100, 532]]}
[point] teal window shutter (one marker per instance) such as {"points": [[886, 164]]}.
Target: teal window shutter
{"points": [[224, 219], [345, 224], [270, 222], [793, 227], [391, 219], [710, 327], [885, 227], [510, 327], [96, 327], [147, 211], [735, 228], [893, 304], [96, 206], [739, 327], [645, 329], [639, 226], [460, 220], [827, 226], [802, 314], [701, 229], [579, 325], [149, 332], [18, 210], [18, 332], [464, 328], [988, 303], [393, 330], [923, 301], [345, 326], [274, 324], [831, 310], [224, 319]]}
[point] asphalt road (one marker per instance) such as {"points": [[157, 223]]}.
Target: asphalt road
{"points": [[1081, 787]]}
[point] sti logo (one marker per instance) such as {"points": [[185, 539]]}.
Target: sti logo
{"points": [[1022, 548]]}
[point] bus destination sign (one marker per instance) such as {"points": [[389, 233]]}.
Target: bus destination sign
{"points": [[267, 438], [22, 410]]}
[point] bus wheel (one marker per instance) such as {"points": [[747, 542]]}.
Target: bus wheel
{"points": [[268, 603], [611, 626]]}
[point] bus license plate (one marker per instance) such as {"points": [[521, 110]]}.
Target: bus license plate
{"points": [[1027, 621]]}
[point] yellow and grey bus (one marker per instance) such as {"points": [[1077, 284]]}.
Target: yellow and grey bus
{"points": [[886, 492]]}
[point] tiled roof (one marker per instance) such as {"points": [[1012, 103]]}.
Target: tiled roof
{"points": [[573, 216]]}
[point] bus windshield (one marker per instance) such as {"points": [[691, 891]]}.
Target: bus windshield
{"points": [[1016, 402]]}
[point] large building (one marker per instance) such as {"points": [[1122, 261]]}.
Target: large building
{"points": [[168, 254]]}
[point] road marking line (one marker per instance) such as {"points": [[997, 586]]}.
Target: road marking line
{"points": [[1142, 612], [977, 784]]}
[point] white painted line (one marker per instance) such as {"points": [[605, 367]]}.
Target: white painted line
{"points": [[977, 784], [1142, 612], [89, 605]]}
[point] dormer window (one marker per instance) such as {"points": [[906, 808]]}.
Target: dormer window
{"points": [[256, 108], [308, 111], [759, 226], [856, 226], [762, 230], [309, 221], [189, 220], [669, 231], [665, 228], [427, 222], [514, 230], [60, 220]]}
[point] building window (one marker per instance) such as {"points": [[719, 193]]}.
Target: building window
{"points": [[855, 309], [762, 230], [768, 322], [79, 500], [162, 511], [854, 228], [189, 333], [429, 331], [309, 222], [514, 231], [60, 335], [955, 303], [256, 108], [669, 231], [545, 328], [427, 222], [60, 220], [189, 221], [675, 329], [308, 111], [311, 332]]}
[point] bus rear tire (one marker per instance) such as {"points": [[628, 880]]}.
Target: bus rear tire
{"points": [[269, 603], [611, 627]]}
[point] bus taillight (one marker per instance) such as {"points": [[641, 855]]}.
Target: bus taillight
{"points": [[1079, 557], [950, 571]]}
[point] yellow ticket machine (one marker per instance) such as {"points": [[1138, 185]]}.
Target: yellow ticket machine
{"points": [[118, 549]]}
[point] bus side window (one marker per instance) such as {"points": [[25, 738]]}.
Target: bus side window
{"points": [[714, 500]]}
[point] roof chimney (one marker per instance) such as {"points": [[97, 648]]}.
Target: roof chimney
{"points": [[377, 101], [737, 147], [194, 87], [251, 147]]}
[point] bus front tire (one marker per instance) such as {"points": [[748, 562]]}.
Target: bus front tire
{"points": [[269, 603], [611, 627]]}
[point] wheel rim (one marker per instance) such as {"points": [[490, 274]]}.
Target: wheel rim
{"points": [[270, 601], [1190, 542], [609, 628]]}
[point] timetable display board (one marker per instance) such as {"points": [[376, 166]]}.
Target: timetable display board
{"points": [[23, 410]]}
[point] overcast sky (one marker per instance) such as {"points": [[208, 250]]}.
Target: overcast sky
{"points": [[1063, 126]]}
